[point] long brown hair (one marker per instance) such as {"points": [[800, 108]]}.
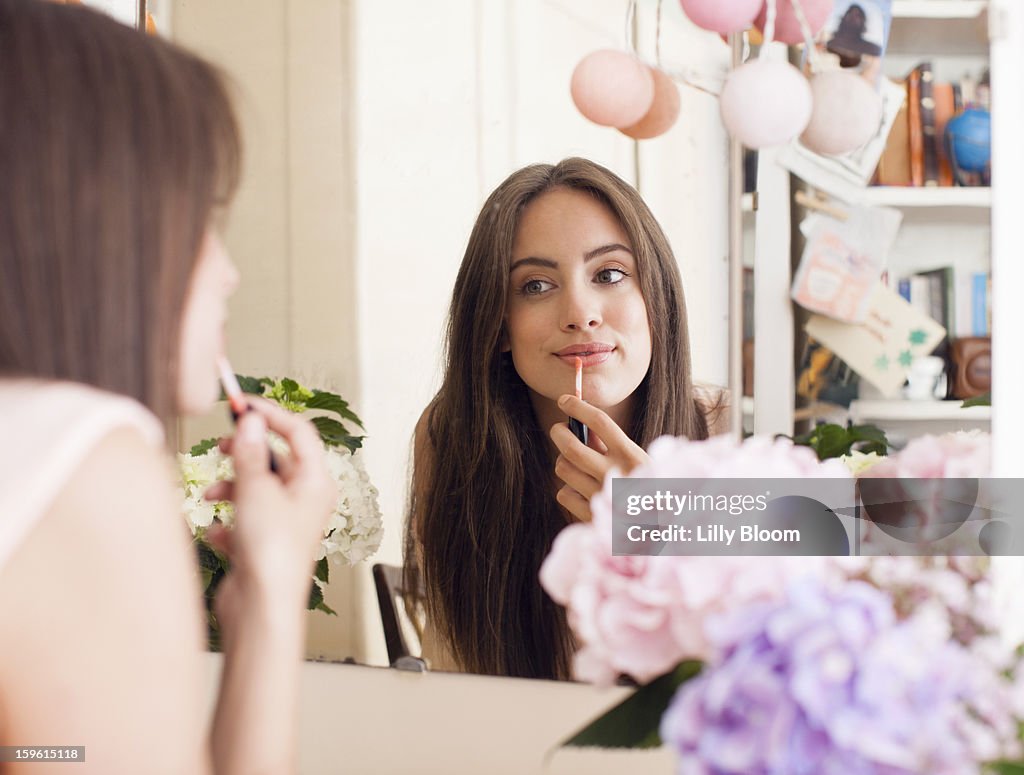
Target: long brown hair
{"points": [[483, 513], [115, 148]]}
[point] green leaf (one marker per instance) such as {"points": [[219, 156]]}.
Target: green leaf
{"points": [[332, 402], [1005, 768], [208, 559], [633, 723], [203, 447], [333, 433], [326, 609], [253, 385], [322, 570], [316, 596], [829, 440], [985, 399]]}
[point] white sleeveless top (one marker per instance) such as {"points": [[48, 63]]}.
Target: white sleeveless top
{"points": [[46, 430]]}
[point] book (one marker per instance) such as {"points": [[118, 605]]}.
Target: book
{"points": [[963, 323], [979, 304], [945, 109], [929, 144], [941, 302], [916, 135], [894, 164]]}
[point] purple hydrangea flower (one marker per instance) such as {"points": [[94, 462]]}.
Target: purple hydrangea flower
{"points": [[829, 682]]}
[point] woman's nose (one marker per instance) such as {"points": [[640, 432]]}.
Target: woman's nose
{"points": [[581, 310]]}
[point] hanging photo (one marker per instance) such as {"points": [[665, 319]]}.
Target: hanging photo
{"points": [[854, 107], [843, 260], [856, 35]]}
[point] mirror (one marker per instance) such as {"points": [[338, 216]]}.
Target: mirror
{"points": [[375, 131]]}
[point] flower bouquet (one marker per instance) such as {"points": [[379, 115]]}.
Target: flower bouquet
{"points": [[355, 529], [773, 664]]}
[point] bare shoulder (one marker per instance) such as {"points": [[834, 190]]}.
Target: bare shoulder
{"points": [[715, 402], [105, 629]]}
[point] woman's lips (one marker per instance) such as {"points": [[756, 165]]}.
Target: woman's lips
{"points": [[593, 358]]}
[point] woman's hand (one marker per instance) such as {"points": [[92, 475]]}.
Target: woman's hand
{"points": [[279, 517], [583, 468]]}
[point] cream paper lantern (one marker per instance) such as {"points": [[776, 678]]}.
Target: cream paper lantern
{"points": [[787, 27], [846, 113], [721, 16], [663, 112], [765, 103], [612, 88]]}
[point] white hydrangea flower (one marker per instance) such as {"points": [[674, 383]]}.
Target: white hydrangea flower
{"points": [[354, 531], [859, 462]]}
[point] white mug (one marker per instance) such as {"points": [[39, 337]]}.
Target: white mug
{"points": [[926, 380]]}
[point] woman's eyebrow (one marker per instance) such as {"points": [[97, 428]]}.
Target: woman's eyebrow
{"points": [[550, 264], [534, 261], [605, 249]]}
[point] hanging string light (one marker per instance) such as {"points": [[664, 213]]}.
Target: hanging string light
{"points": [[766, 101]]}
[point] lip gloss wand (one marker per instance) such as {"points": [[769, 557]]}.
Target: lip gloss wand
{"points": [[236, 398], [578, 429]]}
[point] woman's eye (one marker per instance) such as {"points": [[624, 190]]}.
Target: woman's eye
{"points": [[534, 287], [611, 276]]}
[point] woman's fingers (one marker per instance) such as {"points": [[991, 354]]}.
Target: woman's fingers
{"points": [[221, 539], [298, 433], [583, 483], [622, 450], [220, 491], [574, 503], [583, 457]]}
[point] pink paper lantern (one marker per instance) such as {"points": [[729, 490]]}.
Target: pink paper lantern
{"points": [[787, 28], [663, 113], [765, 103], [846, 114], [722, 16], [612, 88]]}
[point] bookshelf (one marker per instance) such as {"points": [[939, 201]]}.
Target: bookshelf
{"points": [[908, 196], [903, 420], [942, 226], [868, 410], [939, 9]]}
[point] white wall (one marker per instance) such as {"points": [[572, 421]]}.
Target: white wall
{"points": [[374, 132]]}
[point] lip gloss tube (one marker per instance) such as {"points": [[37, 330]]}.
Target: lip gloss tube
{"points": [[236, 398], [578, 429]]}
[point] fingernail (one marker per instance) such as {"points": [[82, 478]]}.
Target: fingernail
{"points": [[564, 400], [253, 428]]}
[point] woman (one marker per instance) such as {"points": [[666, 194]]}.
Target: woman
{"points": [[117, 152], [580, 268]]}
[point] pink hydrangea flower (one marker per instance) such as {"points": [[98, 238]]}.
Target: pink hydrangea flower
{"points": [[642, 615], [962, 455]]}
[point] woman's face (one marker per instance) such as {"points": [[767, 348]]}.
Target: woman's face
{"points": [[214, 279], [573, 292]]}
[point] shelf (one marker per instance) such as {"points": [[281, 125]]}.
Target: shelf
{"points": [[921, 411], [909, 196], [938, 9], [927, 28]]}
